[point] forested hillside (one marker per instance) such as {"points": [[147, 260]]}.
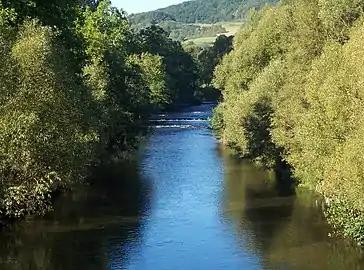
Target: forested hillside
{"points": [[77, 85], [184, 20], [201, 11], [293, 94]]}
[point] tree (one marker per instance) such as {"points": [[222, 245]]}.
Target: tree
{"points": [[210, 57], [154, 75], [182, 72], [292, 93]]}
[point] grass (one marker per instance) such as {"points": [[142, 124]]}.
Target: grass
{"points": [[231, 29], [203, 41]]}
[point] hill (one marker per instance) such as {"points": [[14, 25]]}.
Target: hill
{"points": [[200, 21], [200, 11]]}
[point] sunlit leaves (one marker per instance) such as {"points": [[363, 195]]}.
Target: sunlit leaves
{"points": [[7, 15], [338, 15], [294, 81], [76, 87], [104, 29], [154, 74], [181, 70]]}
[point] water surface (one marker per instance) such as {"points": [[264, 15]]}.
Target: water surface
{"points": [[184, 204]]}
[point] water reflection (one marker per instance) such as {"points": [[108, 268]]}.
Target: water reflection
{"points": [[206, 210], [89, 229], [286, 232]]}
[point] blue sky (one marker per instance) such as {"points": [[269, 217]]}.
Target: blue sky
{"points": [[135, 6]]}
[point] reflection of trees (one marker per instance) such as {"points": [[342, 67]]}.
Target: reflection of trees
{"points": [[251, 202], [88, 228], [286, 232], [303, 242]]}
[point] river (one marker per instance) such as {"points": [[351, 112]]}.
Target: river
{"points": [[183, 203]]}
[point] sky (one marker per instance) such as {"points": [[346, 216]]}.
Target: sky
{"points": [[136, 6]]}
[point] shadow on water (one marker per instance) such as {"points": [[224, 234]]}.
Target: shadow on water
{"points": [[286, 232], [88, 229], [207, 211], [284, 183]]}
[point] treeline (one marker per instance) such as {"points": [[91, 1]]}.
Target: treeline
{"points": [[181, 31], [206, 59], [293, 93], [77, 85]]}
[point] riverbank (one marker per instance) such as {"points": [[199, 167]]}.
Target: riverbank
{"points": [[21, 202], [345, 220], [76, 88], [183, 203], [293, 92]]}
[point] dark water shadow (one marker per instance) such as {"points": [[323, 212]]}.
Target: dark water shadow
{"points": [[90, 228], [285, 230], [285, 184]]}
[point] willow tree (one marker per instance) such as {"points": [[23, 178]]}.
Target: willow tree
{"points": [[248, 77], [293, 90], [44, 142], [153, 73]]}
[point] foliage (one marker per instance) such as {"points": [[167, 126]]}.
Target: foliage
{"points": [[217, 122], [347, 220], [7, 15], [211, 56], [292, 91], [35, 137], [207, 59], [77, 85], [180, 68], [154, 74]]}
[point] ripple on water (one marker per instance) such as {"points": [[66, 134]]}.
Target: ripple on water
{"points": [[174, 126]]}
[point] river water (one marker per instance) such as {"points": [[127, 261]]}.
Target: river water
{"points": [[184, 203]]}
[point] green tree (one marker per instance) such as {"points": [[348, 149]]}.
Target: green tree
{"points": [[292, 91], [181, 70], [121, 92], [44, 139], [154, 75], [211, 56]]}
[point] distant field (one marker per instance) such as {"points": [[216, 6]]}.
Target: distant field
{"points": [[231, 29], [203, 41]]}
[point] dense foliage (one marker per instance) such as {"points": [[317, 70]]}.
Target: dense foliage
{"points": [[77, 85], [211, 56], [207, 58], [181, 70], [186, 20], [293, 91]]}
